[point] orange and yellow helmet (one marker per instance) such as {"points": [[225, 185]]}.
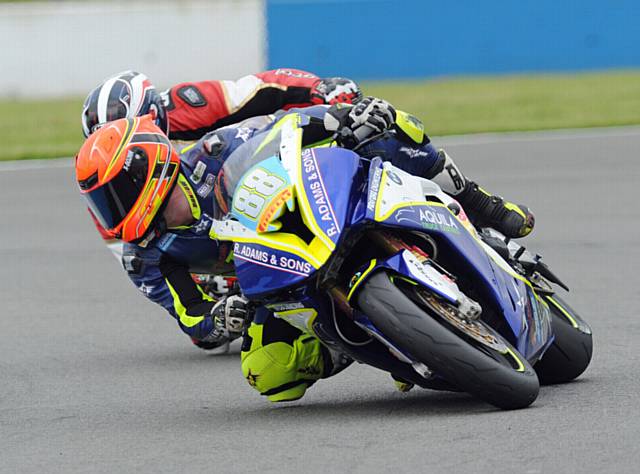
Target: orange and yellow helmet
{"points": [[125, 171]]}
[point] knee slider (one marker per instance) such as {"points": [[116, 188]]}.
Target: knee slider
{"points": [[282, 371]]}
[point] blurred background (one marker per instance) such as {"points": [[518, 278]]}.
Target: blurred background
{"points": [[462, 66]]}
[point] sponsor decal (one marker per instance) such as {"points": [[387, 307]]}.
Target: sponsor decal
{"points": [[295, 265], [373, 189], [428, 218], [291, 73], [456, 178], [193, 201], [279, 307], [431, 219], [206, 188], [192, 96], [166, 240], [413, 152], [318, 193], [277, 262], [251, 253], [198, 171], [127, 160]]}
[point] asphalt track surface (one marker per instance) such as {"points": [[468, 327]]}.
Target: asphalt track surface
{"points": [[93, 378]]}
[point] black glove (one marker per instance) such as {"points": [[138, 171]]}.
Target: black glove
{"points": [[354, 125], [335, 90]]}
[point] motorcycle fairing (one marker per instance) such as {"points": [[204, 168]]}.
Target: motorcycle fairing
{"points": [[296, 314], [324, 172], [261, 269], [316, 179], [398, 199], [406, 264]]}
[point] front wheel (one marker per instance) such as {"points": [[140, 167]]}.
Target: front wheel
{"points": [[501, 377], [571, 351]]}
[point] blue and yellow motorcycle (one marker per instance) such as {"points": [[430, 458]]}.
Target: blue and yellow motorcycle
{"points": [[383, 266]]}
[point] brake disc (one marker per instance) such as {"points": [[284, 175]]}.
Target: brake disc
{"points": [[475, 329]]}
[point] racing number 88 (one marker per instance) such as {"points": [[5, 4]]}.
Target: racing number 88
{"points": [[250, 198]]}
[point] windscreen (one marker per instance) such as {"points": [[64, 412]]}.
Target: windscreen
{"points": [[255, 150]]}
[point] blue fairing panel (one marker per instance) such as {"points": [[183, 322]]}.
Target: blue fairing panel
{"points": [[328, 175], [510, 294], [262, 269]]}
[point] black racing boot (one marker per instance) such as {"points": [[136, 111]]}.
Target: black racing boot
{"points": [[484, 209], [487, 210]]}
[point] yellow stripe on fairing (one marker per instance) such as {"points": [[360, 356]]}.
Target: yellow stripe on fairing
{"points": [[361, 279], [517, 359], [564, 312]]}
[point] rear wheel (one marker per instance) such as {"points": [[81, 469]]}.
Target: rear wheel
{"points": [[571, 351], [491, 370]]}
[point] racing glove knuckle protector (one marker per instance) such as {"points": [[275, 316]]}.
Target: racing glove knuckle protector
{"points": [[353, 125], [230, 315], [334, 90]]}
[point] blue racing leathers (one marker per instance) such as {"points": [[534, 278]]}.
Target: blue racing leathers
{"points": [[161, 268]]}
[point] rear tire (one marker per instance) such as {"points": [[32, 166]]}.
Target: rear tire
{"points": [[570, 353], [467, 364]]}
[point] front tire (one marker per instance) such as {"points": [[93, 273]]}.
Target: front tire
{"points": [[570, 353], [469, 365]]}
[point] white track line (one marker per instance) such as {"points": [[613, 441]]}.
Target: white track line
{"points": [[472, 139], [21, 165]]}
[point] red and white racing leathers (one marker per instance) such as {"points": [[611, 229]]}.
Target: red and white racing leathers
{"points": [[195, 108]]}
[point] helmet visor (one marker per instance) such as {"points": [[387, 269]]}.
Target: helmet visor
{"points": [[113, 201]]}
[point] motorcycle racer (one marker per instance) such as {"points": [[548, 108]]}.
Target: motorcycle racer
{"points": [[188, 110], [161, 203]]}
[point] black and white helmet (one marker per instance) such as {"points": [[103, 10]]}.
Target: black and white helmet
{"points": [[125, 95]]}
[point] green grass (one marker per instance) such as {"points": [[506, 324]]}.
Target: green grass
{"points": [[511, 103], [42, 129]]}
